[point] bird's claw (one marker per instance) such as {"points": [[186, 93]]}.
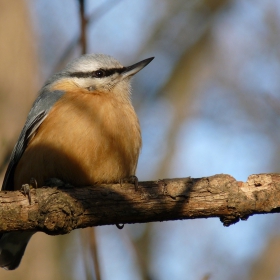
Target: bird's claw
{"points": [[25, 188], [131, 179], [54, 182]]}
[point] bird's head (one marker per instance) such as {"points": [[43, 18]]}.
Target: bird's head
{"points": [[101, 73]]}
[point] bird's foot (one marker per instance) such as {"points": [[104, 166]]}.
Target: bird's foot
{"points": [[25, 188], [55, 182], [131, 179]]}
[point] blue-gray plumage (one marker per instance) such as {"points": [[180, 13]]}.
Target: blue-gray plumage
{"points": [[36, 116]]}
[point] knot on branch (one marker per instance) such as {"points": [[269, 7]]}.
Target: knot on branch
{"points": [[58, 212]]}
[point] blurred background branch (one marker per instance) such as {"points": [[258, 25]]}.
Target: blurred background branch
{"points": [[88, 236]]}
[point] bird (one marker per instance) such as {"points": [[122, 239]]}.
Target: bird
{"points": [[82, 129]]}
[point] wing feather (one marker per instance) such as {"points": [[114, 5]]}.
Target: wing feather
{"points": [[36, 116]]}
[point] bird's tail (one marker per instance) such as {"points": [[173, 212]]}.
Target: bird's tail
{"points": [[12, 247]]}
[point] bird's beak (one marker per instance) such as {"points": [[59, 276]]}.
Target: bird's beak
{"points": [[133, 69]]}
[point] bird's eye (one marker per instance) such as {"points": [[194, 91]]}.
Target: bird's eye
{"points": [[99, 73]]}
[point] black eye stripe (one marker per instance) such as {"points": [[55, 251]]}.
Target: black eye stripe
{"points": [[107, 72]]}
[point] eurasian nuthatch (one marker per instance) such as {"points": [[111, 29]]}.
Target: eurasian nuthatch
{"points": [[82, 129]]}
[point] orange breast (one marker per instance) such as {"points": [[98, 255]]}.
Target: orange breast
{"points": [[85, 139]]}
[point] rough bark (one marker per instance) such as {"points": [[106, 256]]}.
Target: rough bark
{"points": [[58, 210]]}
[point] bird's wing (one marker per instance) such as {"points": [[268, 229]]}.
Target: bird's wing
{"points": [[36, 116]]}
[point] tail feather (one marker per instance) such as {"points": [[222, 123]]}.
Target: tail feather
{"points": [[12, 247]]}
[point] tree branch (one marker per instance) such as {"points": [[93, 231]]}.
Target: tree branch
{"points": [[59, 210]]}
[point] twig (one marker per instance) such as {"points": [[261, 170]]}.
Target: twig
{"points": [[93, 17], [83, 21]]}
